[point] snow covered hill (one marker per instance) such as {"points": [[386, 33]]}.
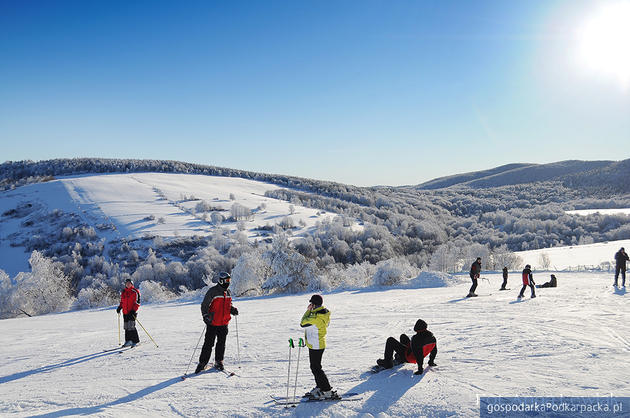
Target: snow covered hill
{"points": [[571, 341], [578, 174], [131, 206], [578, 257]]}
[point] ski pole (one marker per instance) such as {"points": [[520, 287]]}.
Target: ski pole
{"points": [[193, 354], [238, 345], [291, 346], [118, 321], [297, 367], [139, 323]]}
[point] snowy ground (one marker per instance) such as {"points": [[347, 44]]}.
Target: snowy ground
{"points": [[571, 341]]}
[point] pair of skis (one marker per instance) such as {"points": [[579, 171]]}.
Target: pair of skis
{"points": [[345, 397], [227, 373], [121, 349]]}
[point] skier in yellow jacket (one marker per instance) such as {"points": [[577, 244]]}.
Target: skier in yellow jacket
{"points": [[316, 320]]}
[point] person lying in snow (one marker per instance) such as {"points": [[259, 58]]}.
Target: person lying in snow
{"points": [[551, 283], [423, 343]]}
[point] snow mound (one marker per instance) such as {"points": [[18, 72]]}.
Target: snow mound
{"points": [[431, 279]]}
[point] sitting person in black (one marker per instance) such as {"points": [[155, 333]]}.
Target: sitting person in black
{"points": [[551, 283], [423, 343]]}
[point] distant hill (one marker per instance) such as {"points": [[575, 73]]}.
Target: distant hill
{"points": [[612, 176], [464, 178]]}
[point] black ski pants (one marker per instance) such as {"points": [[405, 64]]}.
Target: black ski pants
{"points": [[621, 269], [315, 358], [131, 334], [213, 332], [474, 285], [525, 287], [392, 345], [504, 282]]}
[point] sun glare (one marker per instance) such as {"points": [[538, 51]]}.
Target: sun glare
{"points": [[604, 42]]}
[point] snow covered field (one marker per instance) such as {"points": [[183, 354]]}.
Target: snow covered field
{"points": [[571, 340]]}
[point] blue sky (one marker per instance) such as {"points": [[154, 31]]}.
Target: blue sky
{"points": [[359, 92]]}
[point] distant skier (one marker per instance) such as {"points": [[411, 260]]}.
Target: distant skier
{"points": [[129, 305], [620, 266], [528, 280], [475, 271], [316, 320], [505, 277], [423, 343], [551, 283], [216, 309]]}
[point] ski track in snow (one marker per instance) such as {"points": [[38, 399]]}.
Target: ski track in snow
{"points": [[569, 341]]}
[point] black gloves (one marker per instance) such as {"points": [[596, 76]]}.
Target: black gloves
{"points": [[419, 371], [118, 309], [207, 319], [233, 311], [133, 314]]}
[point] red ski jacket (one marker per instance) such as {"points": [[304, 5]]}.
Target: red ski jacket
{"points": [[528, 278], [130, 300], [216, 304]]}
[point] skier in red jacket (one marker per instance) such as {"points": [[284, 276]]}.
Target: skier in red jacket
{"points": [[129, 305], [528, 280], [216, 309]]}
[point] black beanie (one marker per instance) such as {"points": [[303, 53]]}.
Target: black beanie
{"points": [[316, 300], [420, 325]]}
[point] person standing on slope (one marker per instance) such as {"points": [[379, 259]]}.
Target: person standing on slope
{"points": [[475, 271], [528, 280], [505, 277], [315, 321], [620, 266], [215, 312], [423, 343], [129, 305]]}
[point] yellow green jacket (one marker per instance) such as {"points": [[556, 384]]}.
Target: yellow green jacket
{"points": [[316, 322]]}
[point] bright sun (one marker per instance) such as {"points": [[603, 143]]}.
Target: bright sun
{"points": [[604, 42]]}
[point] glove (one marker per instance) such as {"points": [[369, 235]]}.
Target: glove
{"points": [[118, 309], [207, 319], [133, 314], [233, 311], [418, 372]]}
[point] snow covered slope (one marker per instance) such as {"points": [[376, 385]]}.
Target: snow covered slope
{"points": [[571, 341], [134, 205], [588, 256]]}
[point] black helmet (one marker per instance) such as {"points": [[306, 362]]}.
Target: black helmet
{"points": [[528, 266], [224, 279]]}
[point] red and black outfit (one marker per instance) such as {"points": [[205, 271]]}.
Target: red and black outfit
{"points": [[422, 344], [215, 310], [129, 304], [528, 280]]}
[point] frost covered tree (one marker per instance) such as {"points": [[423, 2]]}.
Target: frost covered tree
{"points": [[291, 271], [544, 261], [394, 271], [45, 289], [249, 273]]}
